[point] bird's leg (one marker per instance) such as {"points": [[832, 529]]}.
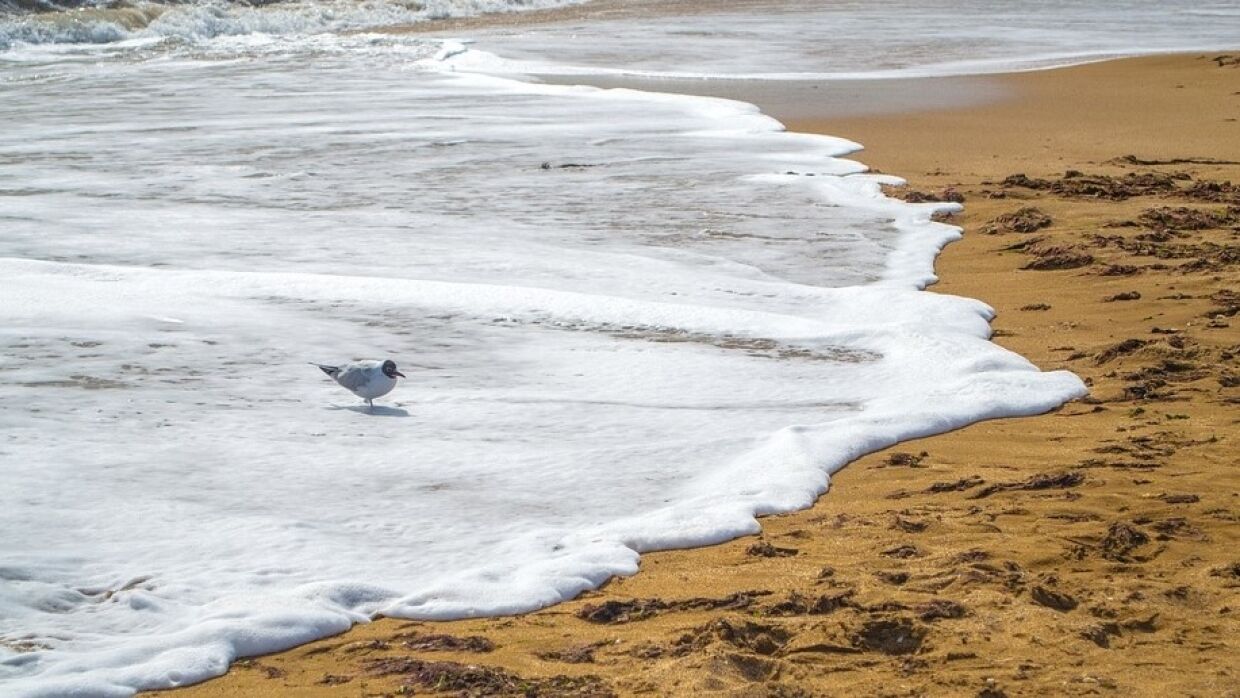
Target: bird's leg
{"points": [[371, 404]]}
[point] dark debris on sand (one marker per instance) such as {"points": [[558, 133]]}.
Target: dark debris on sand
{"points": [[890, 636], [1079, 185], [1022, 220], [445, 643], [479, 681], [577, 654], [1042, 481], [1057, 258], [765, 549], [1051, 598], [615, 611], [912, 196], [1121, 540], [900, 459]]}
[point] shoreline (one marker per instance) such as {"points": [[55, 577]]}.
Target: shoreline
{"points": [[904, 576], [809, 100]]}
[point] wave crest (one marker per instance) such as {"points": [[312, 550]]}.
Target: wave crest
{"points": [[106, 21]]}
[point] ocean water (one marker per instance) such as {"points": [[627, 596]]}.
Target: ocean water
{"points": [[630, 321], [862, 39]]}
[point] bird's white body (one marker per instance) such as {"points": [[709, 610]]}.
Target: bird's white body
{"points": [[365, 379]]}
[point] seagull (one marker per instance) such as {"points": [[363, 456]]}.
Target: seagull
{"points": [[365, 379]]}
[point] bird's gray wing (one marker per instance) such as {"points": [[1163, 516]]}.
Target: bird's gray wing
{"points": [[353, 377], [329, 370]]}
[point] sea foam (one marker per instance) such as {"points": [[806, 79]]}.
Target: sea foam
{"points": [[105, 22]]}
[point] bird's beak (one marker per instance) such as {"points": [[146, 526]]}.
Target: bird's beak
{"points": [[399, 374]]}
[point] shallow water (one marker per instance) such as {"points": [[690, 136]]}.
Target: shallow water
{"points": [[630, 321], [855, 39]]}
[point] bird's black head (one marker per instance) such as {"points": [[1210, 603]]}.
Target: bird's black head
{"points": [[389, 369]]}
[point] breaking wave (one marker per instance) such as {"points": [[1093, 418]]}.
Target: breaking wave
{"points": [[106, 21]]}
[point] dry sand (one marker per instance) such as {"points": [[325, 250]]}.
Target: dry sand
{"points": [[1092, 550]]}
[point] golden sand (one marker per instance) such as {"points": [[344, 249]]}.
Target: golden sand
{"points": [[1092, 550]]}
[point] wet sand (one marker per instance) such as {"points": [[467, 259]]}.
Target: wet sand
{"points": [[1089, 551]]}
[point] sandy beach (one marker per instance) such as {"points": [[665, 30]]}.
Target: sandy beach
{"points": [[1090, 551]]}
